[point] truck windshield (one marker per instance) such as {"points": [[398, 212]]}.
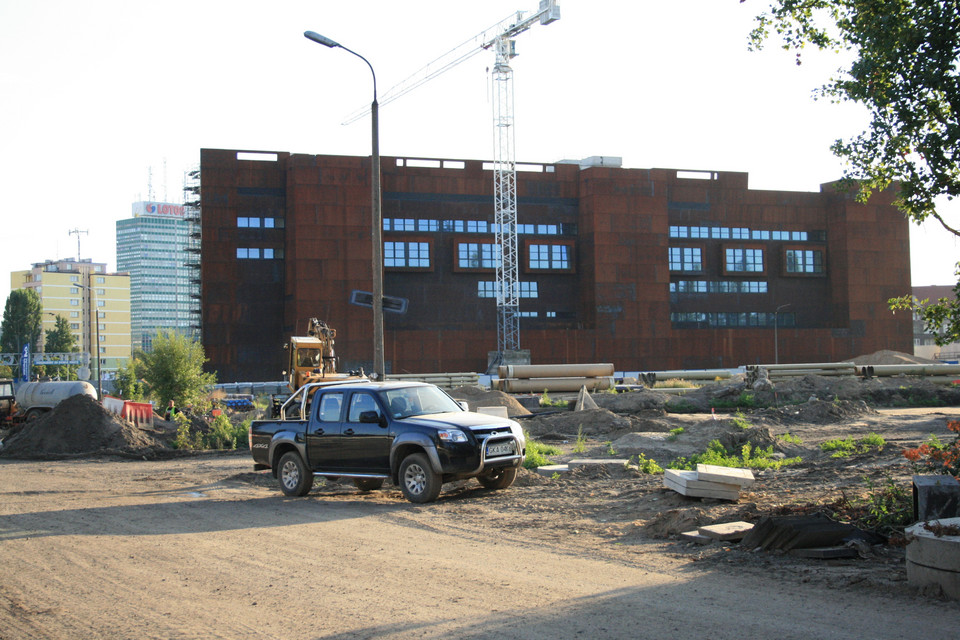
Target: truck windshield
{"points": [[415, 401]]}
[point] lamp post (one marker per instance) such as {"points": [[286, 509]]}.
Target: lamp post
{"points": [[776, 338], [96, 319], [376, 214]]}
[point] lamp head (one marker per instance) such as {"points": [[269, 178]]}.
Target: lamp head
{"points": [[316, 37]]}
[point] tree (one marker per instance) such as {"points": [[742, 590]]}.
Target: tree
{"points": [[61, 340], [905, 72], [22, 321], [127, 382], [174, 370]]}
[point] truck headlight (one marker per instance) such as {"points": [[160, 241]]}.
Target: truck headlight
{"points": [[452, 435]]}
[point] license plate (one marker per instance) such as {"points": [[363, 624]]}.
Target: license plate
{"points": [[500, 449]]}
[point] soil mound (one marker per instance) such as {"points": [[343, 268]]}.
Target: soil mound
{"points": [[480, 397], [885, 356], [566, 425], [77, 426]]}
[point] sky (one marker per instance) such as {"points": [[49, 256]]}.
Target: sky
{"points": [[104, 103]]}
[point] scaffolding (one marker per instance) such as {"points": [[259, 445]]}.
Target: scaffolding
{"points": [[191, 213]]}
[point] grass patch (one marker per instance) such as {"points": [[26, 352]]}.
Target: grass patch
{"points": [[675, 383], [537, 453], [750, 457], [547, 401], [681, 406], [744, 400], [792, 439], [223, 434], [674, 433], [848, 447], [741, 421]]}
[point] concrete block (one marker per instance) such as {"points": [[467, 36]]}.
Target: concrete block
{"points": [[727, 531], [493, 411], [686, 483], [935, 497], [550, 469], [726, 475]]}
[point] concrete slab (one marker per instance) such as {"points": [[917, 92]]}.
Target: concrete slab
{"points": [[935, 496], [726, 475], [696, 536], [685, 483], [550, 469], [727, 531], [597, 462]]}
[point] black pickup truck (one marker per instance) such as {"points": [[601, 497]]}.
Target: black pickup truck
{"points": [[410, 433]]}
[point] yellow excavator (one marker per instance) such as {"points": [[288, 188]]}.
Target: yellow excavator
{"points": [[312, 358]]}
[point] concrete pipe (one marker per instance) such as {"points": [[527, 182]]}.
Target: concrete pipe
{"points": [[539, 385], [693, 374], [555, 370]]}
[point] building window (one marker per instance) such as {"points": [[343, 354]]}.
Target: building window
{"points": [[74, 302], [803, 261], [74, 314], [743, 260], [101, 280], [476, 255], [74, 291], [686, 259], [72, 278], [101, 292], [414, 255], [549, 256], [490, 288], [101, 303]]}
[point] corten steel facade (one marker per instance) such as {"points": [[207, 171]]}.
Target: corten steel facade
{"points": [[649, 269]]}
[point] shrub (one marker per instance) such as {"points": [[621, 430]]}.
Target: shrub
{"points": [[934, 456], [792, 439], [581, 444], [741, 421], [750, 458], [646, 465], [674, 433]]}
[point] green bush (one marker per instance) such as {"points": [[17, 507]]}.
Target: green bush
{"points": [[849, 446], [646, 465], [750, 458]]}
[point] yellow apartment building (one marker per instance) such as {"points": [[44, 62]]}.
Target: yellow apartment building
{"points": [[94, 302]]}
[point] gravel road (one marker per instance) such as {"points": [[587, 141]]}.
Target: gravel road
{"points": [[201, 547]]}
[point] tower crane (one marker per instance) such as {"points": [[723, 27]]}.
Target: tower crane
{"points": [[501, 39]]}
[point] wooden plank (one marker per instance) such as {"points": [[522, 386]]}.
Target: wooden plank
{"points": [[728, 531], [692, 480], [682, 488]]}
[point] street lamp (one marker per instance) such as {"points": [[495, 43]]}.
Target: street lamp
{"points": [[96, 318], [376, 215], [776, 340]]}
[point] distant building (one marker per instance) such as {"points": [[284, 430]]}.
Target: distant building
{"points": [[649, 269], [151, 247], [94, 302], [924, 344]]}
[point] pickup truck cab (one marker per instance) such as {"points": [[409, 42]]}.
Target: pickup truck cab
{"points": [[410, 433]]}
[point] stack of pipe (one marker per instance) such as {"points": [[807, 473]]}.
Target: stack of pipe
{"points": [[536, 378]]}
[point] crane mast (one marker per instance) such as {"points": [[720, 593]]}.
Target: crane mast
{"points": [[500, 38]]}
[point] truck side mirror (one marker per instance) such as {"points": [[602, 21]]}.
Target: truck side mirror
{"points": [[372, 417]]}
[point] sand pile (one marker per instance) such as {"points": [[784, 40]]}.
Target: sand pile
{"points": [[79, 425]]}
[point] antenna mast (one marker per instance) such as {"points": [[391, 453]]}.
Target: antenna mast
{"points": [[77, 233]]}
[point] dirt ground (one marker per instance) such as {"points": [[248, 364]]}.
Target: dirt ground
{"points": [[116, 535]]}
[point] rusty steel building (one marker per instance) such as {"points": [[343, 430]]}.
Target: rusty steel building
{"points": [[649, 269]]}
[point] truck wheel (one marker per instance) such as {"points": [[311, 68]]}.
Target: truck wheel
{"points": [[418, 481], [34, 414], [295, 478], [368, 484], [500, 478]]}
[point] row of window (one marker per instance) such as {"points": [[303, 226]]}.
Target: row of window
{"points": [[474, 226], [743, 233], [258, 253], [491, 289], [475, 255], [260, 223], [799, 261], [734, 319], [718, 286]]}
